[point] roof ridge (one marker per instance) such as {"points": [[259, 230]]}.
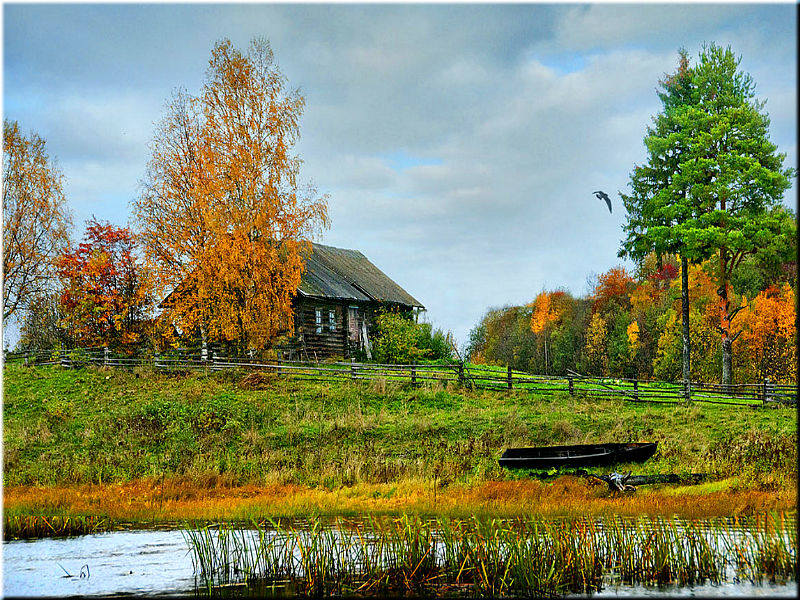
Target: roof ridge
{"points": [[328, 247]]}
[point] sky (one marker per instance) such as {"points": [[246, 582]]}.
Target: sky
{"points": [[459, 145]]}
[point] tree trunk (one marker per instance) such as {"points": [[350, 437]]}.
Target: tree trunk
{"points": [[725, 322], [545, 355], [727, 361], [685, 319]]}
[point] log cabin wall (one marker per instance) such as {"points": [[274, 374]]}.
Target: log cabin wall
{"points": [[318, 340], [325, 337]]}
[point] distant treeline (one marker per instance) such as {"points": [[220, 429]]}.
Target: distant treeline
{"points": [[630, 325]]}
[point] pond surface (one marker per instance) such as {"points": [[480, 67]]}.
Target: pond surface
{"points": [[130, 562], [160, 562]]}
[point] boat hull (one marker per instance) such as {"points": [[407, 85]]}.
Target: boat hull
{"points": [[585, 455]]}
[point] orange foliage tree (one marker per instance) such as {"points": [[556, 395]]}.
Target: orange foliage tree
{"points": [[35, 218], [768, 340], [548, 309], [104, 301], [223, 217], [613, 288]]}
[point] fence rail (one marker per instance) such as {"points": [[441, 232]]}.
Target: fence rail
{"points": [[754, 395]]}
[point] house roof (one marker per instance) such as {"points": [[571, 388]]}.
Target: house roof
{"points": [[347, 274]]}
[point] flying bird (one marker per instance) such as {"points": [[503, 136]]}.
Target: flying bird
{"points": [[603, 196]]}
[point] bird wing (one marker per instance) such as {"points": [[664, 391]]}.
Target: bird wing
{"points": [[601, 195]]}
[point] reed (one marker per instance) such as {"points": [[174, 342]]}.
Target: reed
{"points": [[530, 557], [18, 526]]}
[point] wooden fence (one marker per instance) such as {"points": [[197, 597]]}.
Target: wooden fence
{"points": [[755, 395]]}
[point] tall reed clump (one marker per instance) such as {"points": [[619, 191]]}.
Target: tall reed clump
{"points": [[768, 551], [531, 557]]}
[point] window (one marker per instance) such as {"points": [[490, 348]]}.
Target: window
{"points": [[318, 315], [332, 320]]}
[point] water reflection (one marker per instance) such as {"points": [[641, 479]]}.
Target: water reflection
{"points": [[160, 562], [131, 562]]}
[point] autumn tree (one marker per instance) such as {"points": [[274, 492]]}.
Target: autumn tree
{"points": [[769, 334], [702, 317], [596, 349], [42, 324], [549, 312], [104, 301], [542, 319], [35, 219], [612, 290], [223, 217]]}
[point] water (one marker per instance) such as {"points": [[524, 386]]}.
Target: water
{"points": [[132, 562], [159, 562]]}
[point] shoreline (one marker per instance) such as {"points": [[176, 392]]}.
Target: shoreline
{"points": [[147, 504]]}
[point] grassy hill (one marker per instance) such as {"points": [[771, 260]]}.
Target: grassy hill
{"points": [[107, 426]]}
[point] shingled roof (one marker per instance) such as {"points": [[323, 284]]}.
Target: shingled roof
{"points": [[348, 274]]}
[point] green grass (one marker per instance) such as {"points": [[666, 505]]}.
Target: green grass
{"points": [[104, 426]]}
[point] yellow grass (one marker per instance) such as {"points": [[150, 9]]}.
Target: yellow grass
{"points": [[178, 499]]}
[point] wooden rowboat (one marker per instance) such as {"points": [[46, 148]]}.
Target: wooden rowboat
{"points": [[582, 455]]}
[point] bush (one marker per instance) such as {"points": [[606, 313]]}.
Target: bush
{"points": [[438, 344], [400, 340]]}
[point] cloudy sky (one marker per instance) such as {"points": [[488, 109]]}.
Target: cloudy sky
{"points": [[460, 145]]}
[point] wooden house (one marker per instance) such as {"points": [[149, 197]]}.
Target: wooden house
{"points": [[339, 295]]}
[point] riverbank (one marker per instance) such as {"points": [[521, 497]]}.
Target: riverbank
{"points": [[145, 446], [155, 503]]}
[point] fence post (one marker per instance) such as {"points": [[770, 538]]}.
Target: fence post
{"points": [[413, 374], [571, 385], [280, 370], [105, 356], [636, 389], [509, 377], [766, 391], [461, 372], [353, 369]]}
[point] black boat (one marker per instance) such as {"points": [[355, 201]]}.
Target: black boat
{"points": [[583, 455]]}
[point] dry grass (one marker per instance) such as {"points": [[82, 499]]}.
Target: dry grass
{"points": [[215, 497]]}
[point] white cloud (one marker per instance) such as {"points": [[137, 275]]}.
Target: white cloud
{"points": [[524, 111]]}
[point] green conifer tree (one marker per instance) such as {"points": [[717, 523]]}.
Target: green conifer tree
{"points": [[713, 182], [658, 200]]}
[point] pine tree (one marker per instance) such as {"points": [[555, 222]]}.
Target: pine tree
{"points": [[735, 177], [658, 199], [713, 181]]}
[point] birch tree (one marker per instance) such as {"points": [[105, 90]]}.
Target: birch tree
{"points": [[36, 219], [223, 216]]}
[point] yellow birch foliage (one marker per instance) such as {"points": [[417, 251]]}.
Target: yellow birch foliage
{"points": [[35, 218], [633, 338], [548, 309], [543, 313], [596, 344], [222, 215]]}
